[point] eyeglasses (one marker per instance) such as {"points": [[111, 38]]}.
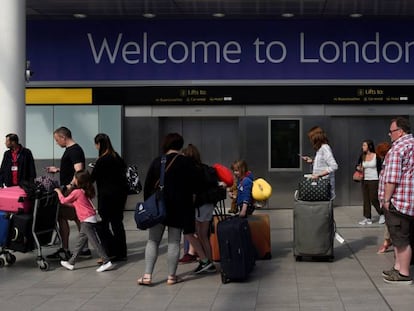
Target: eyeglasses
{"points": [[392, 131]]}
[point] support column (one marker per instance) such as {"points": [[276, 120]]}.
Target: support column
{"points": [[12, 70]]}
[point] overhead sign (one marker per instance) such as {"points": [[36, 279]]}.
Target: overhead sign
{"points": [[219, 50]]}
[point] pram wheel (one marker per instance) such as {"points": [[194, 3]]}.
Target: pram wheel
{"points": [[2, 263], [10, 258]]}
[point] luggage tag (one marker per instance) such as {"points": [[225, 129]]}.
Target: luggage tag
{"points": [[339, 238]]}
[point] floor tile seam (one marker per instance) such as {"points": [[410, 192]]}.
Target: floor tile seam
{"points": [[368, 276]]}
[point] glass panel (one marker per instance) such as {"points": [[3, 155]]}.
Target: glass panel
{"points": [[39, 126], [285, 144]]}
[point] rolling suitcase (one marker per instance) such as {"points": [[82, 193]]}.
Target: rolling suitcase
{"points": [[220, 214], [313, 230], [4, 228], [236, 249], [215, 251], [260, 231], [14, 199], [21, 233]]}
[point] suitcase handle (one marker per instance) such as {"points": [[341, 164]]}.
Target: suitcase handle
{"points": [[16, 234]]}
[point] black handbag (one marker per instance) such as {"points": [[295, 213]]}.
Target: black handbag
{"points": [[314, 189], [152, 211]]}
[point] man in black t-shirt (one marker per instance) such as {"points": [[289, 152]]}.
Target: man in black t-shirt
{"points": [[73, 159]]}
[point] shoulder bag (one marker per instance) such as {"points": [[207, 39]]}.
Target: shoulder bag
{"points": [[153, 211]]}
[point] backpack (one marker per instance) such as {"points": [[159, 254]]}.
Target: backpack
{"points": [[133, 180], [212, 192]]}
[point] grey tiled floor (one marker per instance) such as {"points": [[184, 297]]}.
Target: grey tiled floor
{"points": [[351, 282]]}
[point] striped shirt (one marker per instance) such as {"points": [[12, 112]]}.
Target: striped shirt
{"points": [[398, 169]]}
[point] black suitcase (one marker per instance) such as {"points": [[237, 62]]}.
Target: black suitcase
{"points": [[313, 230], [21, 233], [237, 253]]}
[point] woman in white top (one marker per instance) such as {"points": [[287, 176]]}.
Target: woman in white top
{"points": [[324, 163], [370, 165]]}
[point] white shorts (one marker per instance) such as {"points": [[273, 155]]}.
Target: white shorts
{"points": [[205, 212]]}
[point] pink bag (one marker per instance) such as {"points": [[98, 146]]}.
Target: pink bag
{"points": [[14, 199]]}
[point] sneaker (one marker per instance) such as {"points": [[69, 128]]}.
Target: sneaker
{"points": [[387, 273], [381, 219], [85, 254], [397, 278], [67, 265], [212, 269], [203, 266], [188, 258], [60, 254], [105, 267], [365, 221]]}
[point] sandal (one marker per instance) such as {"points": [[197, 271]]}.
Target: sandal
{"points": [[145, 280], [384, 248], [174, 280]]}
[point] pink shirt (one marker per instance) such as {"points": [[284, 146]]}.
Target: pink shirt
{"points": [[81, 203]]}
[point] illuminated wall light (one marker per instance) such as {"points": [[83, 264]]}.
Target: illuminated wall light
{"points": [[79, 15], [288, 15], [149, 15], [218, 15], [355, 15]]}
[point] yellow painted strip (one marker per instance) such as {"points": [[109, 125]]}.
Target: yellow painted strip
{"points": [[58, 96]]}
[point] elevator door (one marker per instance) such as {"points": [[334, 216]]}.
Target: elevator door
{"points": [[346, 138], [216, 138]]}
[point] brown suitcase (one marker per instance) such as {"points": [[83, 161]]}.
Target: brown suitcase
{"points": [[260, 232], [215, 251]]}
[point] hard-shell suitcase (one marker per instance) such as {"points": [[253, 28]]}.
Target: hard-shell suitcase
{"points": [[21, 233], [313, 230], [14, 199], [260, 231], [215, 250], [219, 214], [4, 228], [236, 249]]}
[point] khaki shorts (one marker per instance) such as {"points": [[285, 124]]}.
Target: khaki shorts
{"points": [[67, 212], [399, 226]]}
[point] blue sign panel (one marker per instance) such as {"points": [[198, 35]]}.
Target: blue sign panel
{"points": [[219, 50]]}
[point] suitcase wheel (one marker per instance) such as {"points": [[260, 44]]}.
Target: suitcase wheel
{"points": [[224, 278], [10, 258], [298, 258]]}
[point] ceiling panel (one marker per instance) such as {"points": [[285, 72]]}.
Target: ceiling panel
{"points": [[233, 9]]}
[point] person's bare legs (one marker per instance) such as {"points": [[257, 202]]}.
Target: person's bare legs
{"points": [[402, 259], [202, 232], [196, 244]]}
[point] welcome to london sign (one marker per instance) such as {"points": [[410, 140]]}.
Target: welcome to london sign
{"points": [[220, 50]]}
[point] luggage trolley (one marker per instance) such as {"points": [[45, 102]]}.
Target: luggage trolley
{"points": [[43, 225]]}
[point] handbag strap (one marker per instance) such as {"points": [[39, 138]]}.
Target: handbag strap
{"points": [[160, 182]]}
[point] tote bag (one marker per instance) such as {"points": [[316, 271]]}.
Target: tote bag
{"points": [[314, 189]]}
